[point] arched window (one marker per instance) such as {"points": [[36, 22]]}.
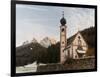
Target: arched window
{"points": [[62, 29], [68, 53], [79, 41], [75, 56]]}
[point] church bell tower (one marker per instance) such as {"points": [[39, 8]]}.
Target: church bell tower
{"points": [[63, 40]]}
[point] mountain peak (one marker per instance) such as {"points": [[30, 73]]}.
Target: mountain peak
{"points": [[34, 40], [46, 42]]}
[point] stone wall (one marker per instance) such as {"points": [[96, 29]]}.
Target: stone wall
{"points": [[88, 63], [76, 64]]}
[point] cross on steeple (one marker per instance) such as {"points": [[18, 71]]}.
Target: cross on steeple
{"points": [[63, 13]]}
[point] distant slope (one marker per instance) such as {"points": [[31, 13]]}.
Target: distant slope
{"points": [[29, 53], [89, 36]]}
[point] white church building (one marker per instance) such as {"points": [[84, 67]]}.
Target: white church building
{"points": [[75, 47]]}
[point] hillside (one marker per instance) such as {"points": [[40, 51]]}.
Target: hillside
{"points": [[90, 37], [29, 53]]}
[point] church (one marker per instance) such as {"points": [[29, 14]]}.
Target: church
{"points": [[75, 47]]}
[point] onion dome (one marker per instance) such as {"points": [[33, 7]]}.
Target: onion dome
{"points": [[63, 20]]}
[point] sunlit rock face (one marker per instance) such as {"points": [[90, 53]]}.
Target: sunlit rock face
{"points": [[46, 42], [53, 41]]}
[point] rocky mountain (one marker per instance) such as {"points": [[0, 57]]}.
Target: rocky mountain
{"points": [[46, 42], [34, 40], [53, 41], [25, 42]]}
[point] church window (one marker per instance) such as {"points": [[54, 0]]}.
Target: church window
{"points": [[68, 53], [79, 44], [62, 42], [62, 29], [75, 56], [78, 37], [79, 41]]}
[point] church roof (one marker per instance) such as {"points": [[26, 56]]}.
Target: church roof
{"points": [[71, 39]]}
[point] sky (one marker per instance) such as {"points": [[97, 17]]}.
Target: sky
{"points": [[35, 21]]}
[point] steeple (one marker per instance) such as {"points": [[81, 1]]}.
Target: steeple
{"points": [[63, 40], [63, 20]]}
